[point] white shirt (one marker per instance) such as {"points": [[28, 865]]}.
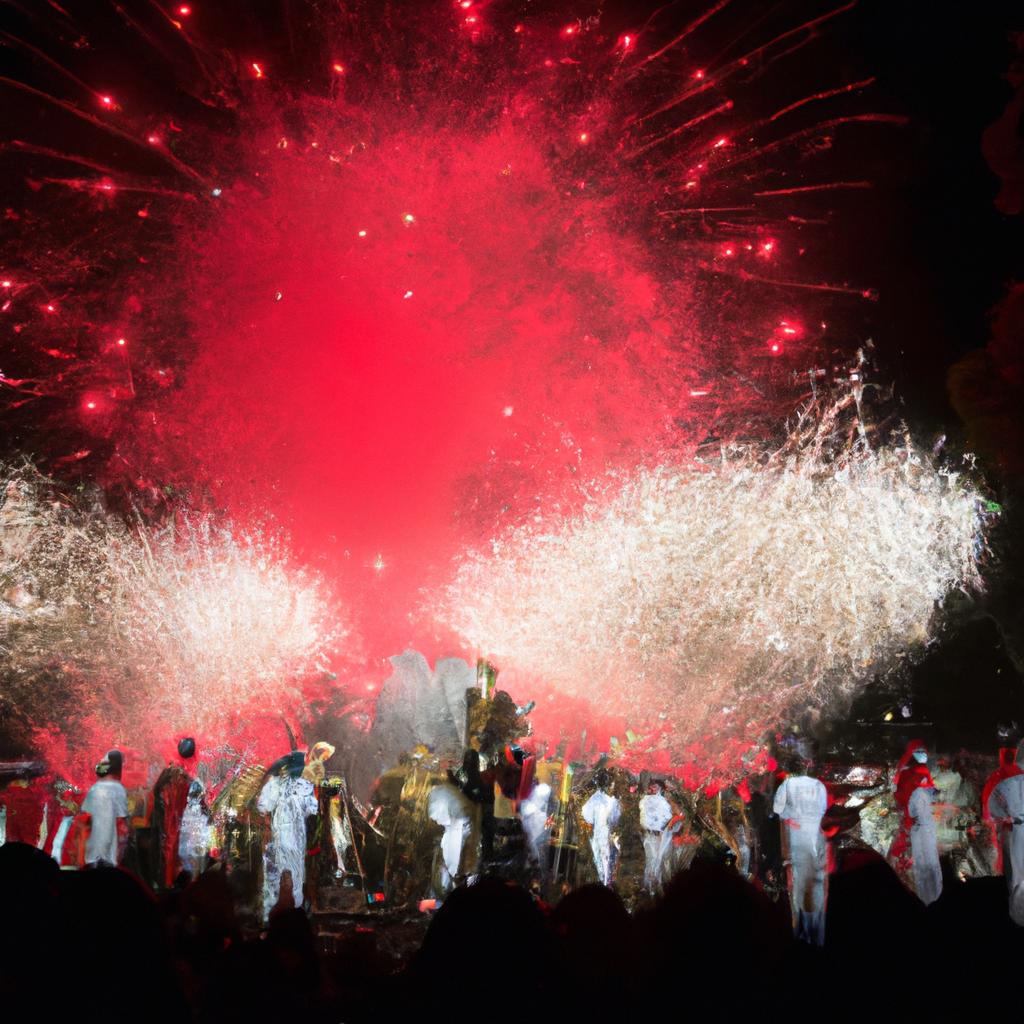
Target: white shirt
{"points": [[1007, 799], [655, 812], [105, 802], [802, 798], [601, 811]]}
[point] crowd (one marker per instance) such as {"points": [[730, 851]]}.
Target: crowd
{"points": [[865, 935], [98, 944]]}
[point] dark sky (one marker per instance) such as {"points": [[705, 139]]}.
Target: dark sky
{"points": [[947, 254], [933, 245]]}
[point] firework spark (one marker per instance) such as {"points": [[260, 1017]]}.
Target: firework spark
{"points": [[721, 595], [185, 626], [402, 275], [337, 261]]}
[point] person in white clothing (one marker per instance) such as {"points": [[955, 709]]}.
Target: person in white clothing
{"points": [[289, 799], [194, 837], [106, 803], [66, 798], [448, 807], [655, 814], [924, 846], [601, 812], [533, 813], [1006, 807], [801, 802]]}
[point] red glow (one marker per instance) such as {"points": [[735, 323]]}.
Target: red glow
{"points": [[6, 283], [364, 387], [50, 308], [366, 422]]}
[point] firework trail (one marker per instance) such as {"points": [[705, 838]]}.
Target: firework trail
{"points": [[288, 247]]}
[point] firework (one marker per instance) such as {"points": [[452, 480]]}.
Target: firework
{"points": [[406, 276], [720, 595], [184, 626], [424, 266]]}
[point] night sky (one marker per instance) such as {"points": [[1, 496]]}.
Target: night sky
{"points": [[926, 239]]}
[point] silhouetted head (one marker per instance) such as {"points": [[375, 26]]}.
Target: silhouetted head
{"points": [[110, 766], [292, 764], [187, 747]]}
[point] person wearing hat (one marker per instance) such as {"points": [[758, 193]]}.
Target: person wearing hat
{"points": [[170, 797], [106, 803], [915, 850], [289, 799]]}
